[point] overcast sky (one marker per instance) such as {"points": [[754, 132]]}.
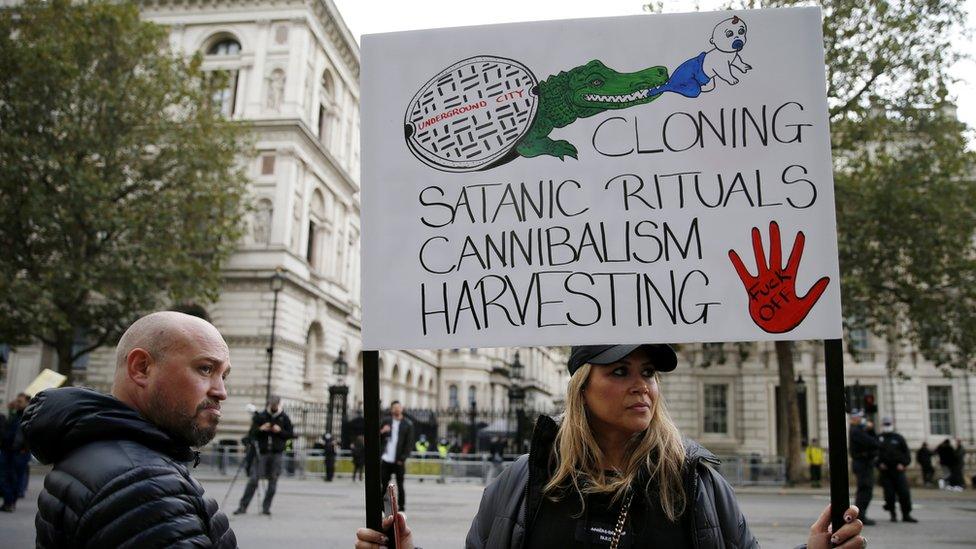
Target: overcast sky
{"points": [[372, 16]]}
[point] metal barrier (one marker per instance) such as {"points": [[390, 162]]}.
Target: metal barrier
{"points": [[738, 470], [753, 470]]}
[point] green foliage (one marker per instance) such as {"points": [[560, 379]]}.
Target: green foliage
{"points": [[906, 203], [121, 182], [906, 215]]}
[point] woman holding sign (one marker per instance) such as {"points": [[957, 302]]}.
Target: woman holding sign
{"points": [[615, 472]]}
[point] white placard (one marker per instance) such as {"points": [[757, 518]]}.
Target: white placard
{"points": [[662, 178]]}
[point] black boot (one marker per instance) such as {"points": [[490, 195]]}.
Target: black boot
{"points": [[868, 522], [894, 516], [908, 518]]}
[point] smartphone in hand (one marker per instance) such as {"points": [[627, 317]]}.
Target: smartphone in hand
{"points": [[394, 534]]}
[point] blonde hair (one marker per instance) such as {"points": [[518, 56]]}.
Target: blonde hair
{"points": [[657, 451]]}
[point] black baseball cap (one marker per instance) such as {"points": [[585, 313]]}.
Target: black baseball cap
{"points": [[662, 355]]}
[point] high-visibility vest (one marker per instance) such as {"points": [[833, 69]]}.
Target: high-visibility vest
{"points": [[442, 449], [815, 455]]}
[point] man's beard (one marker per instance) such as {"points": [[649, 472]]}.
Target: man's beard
{"points": [[182, 425]]}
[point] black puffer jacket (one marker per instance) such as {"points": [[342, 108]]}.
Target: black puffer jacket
{"points": [[501, 522], [118, 480]]}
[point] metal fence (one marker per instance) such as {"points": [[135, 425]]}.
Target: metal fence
{"points": [[476, 467], [471, 428]]}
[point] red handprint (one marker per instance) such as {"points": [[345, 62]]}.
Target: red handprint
{"points": [[773, 303]]}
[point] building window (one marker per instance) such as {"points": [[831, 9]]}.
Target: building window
{"points": [[940, 410], [452, 393], [327, 109], [859, 339], [312, 237], [716, 408], [227, 46], [225, 98], [472, 396], [267, 164], [863, 397]]}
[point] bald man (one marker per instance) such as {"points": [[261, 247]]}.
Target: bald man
{"points": [[121, 461]]}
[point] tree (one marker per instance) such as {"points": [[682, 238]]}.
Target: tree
{"points": [[120, 180], [906, 213]]}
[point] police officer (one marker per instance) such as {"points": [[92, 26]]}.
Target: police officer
{"points": [[893, 458], [864, 453]]}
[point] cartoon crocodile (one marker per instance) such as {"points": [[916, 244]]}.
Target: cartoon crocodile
{"points": [[582, 92]]}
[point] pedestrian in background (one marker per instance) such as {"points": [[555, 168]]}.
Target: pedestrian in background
{"points": [[271, 429], [947, 461], [422, 445], [957, 478], [613, 471], [815, 458], [14, 454], [328, 446], [864, 453], [894, 457], [358, 451], [396, 433], [924, 459]]}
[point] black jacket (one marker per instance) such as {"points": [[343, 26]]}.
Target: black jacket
{"points": [[118, 480], [268, 441], [924, 457], [863, 444], [404, 438], [509, 504], [893, 450], [947, 454]]}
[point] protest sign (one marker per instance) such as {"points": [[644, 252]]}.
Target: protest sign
{"points": [[638, 179], [47, 379]]}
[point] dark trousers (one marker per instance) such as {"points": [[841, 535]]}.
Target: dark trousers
{"points": [[357, 470], [815, 475], [387, 470], [14, 469], [267, 466], [329, 468], [928, 474], [864, 471], [893, 482]]}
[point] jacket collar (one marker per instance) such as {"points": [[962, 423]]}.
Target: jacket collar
{"points": [[58, 421]]}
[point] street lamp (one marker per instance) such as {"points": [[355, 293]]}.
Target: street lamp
{"points": [[517, 368], [516, 398], [801, 386], [338, 394], [473, 416], [277, 283]]}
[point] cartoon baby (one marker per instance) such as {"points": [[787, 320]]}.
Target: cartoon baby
{"points": [[698, 74]]}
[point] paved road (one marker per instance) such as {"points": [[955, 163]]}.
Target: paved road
{"points": [[315, 514]]}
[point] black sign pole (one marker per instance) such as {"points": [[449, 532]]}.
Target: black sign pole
{"points": [[836, 432], [371, 402]]}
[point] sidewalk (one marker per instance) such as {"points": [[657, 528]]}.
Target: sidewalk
{"points": [[312, 514], [930, 494]]}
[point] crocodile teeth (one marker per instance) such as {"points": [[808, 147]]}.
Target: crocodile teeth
{"points": [[641, 94]]}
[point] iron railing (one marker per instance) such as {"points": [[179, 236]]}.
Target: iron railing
{"points": [[475, 467]]}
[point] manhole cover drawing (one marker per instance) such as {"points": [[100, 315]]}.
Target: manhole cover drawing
{"points": [[470, 115]]}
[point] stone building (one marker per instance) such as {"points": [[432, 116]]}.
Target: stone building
{"points": [[294, 69], [727, 397]]}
